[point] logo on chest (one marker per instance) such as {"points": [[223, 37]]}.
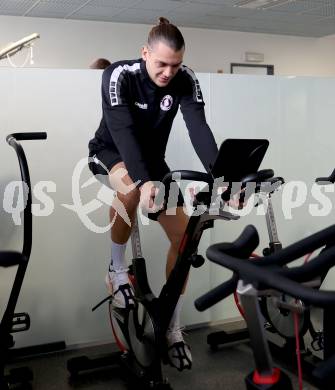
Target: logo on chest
{"points": [[143, 106], [166, 103]]}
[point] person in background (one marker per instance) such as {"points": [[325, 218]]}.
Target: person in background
{"points": [[100, 63]]}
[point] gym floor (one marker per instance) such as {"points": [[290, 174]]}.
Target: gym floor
{"points": [[222, 369]]}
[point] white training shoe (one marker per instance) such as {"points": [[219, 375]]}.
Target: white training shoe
{"points": [[179, 353], [120, 288]]}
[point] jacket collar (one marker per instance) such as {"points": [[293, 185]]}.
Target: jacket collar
{"points": [[145, 75]]}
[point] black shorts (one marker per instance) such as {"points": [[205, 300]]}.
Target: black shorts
{"points": [[103, 161]]}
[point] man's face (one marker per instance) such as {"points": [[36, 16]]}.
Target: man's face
{"points": [[162, 62]]}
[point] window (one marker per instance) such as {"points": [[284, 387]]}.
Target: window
{"points": [[251, 69]]}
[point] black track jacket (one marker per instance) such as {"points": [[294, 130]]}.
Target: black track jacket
{"points": [[138, 116]]}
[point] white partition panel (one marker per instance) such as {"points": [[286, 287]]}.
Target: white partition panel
{"points": [[66, 274], [69, 259], [297, 115]]}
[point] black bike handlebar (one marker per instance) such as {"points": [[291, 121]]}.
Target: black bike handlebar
{"points": [[259, 177], [26, 136], [263, 175], [217, 294], [12, 140], [325, 237], [187, 175], [270, 278], [276, 180], [326, 180], [274, 278], [242, 247]]}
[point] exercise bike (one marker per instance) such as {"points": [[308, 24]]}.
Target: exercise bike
{"points": [[12, 322], [221, 337], [279, 322], [140, 332], [268, 276]]}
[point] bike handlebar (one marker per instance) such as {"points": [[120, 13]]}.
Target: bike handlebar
{"points": [[325, 237], [259, 177], [217, 294], [187, 175], [278, 278], [263, 175], [326, 180], [242, 247], [26, 136], [12, 140], [271, 279]]}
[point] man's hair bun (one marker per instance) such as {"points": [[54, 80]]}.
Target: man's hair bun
{"points": [[162, 20]]}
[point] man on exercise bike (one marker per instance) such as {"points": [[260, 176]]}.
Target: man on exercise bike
{"points": [[140, 99]]}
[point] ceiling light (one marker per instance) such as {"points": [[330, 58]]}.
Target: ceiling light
{"points": [[13, 48]]}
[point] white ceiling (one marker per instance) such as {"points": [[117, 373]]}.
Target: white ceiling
{"points": [[310, 18]]}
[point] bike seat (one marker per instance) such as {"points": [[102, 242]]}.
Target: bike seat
{"points": [[10, 258]]}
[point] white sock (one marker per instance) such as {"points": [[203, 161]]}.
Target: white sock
{"points": [[175, 320], [118, 262], [118, 258]]}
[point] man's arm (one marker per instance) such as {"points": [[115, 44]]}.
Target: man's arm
{"points": [[120, 123], [192, 108]]}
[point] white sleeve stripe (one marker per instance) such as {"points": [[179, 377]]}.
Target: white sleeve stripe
{"points": [[115, 81], [196, 86]]}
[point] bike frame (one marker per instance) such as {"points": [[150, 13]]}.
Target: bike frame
{"points": [[165, 303], [145, 326]]}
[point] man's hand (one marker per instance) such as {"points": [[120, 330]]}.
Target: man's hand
{"points": [[235, 200], [147, 198]]}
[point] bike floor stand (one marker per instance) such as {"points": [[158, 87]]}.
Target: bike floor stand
{"points": [[21, 377], [222, 337], [131, 373], [254, 383], [80, 364], [285, 355]]}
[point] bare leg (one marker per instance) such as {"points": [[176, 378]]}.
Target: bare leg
{"points": [[179, 352], [174, 227], [122, 213], [120, 231]]}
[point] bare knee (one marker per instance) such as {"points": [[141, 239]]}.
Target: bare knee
{"points": [[174, 228], [130, 200], [121, 223], [126, 192]]}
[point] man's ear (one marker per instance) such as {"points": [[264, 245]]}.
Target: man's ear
{"points": [[144, 52]]}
